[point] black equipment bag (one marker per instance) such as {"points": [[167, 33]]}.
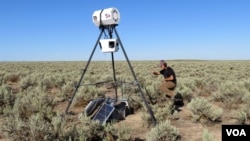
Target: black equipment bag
{"points": [[178, 100]]}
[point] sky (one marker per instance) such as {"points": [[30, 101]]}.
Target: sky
{"points": [[62, 30]]}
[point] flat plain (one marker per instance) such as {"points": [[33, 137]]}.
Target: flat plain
{"points": [[28, 89]]}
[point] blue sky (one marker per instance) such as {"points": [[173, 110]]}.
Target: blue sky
{"points": [[62, 30]]}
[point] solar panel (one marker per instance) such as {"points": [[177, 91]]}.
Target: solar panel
{"points": [[93, 105], [104, 113]]}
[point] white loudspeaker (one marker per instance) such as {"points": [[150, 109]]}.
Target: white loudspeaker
{"points": [[109, 16], [109, 45]]}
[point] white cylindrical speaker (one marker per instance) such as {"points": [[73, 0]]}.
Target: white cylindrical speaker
{"points": [[109, 16]]}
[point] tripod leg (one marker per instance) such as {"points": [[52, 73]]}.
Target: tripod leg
{"points": [[133, 73], [114, 77], [79, 82]]}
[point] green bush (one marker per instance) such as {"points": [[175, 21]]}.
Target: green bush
{"points": [[242, 115], [231, 94], [206, 136], [161, 112], [204, 111], [7, 99], [163, 131]]}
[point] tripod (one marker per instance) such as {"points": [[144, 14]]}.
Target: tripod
{"points": [[110, 29]]}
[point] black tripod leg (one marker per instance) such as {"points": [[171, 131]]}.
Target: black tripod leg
{"points": [[114, 76], [83, 73], [133, 73]]}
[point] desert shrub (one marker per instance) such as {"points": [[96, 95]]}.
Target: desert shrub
{"points": [[36, 127], [145, 116], [148, 80], [164, 112], [30, 116], [124, 88], [28, 81], [86, 93], [7, 99], [161, 112], [60, 80], [200, 83], [1, 78], [124, 77], [135, 102], [59, 96], [152, 94], [204, 111], [109, 132], [186, 92], [246, 98], [163, 131], [59, 129], [15, 127], [231, 94], [34, 101], [123, 132], [91, 130], [68, 88], [242, 115], [145, 81], [186, 86], [247, 84], [128, 88], [206, 136], [49, 82], [87, 129]]}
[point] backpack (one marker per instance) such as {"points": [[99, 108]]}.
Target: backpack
{"points": [[178, 100]]}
